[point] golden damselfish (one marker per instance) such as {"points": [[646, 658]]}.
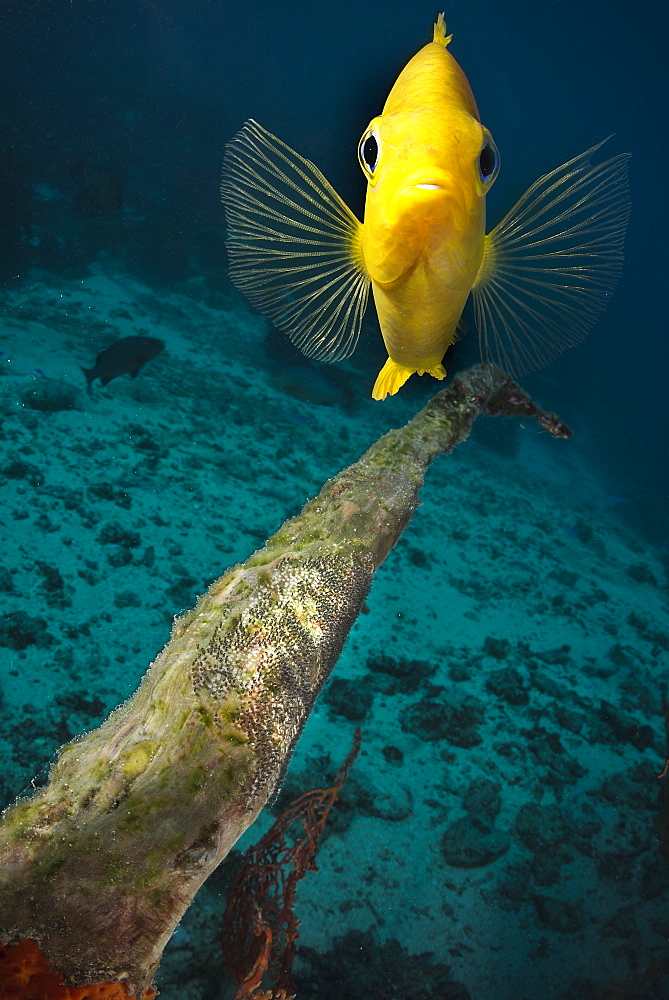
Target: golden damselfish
{"points": [[538, 279]]}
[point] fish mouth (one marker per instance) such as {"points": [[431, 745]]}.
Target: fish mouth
{"points": [[432, 179], [434, 182], [423, 189], [443, 184]]}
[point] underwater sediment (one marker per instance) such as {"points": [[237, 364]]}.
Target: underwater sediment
{"points": [[100, 865]]}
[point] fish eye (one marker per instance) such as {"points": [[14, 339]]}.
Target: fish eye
{"points": [[488, 161], [368, 152]]}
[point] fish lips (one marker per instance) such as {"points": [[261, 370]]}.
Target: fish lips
{"points": [[436, 197]]}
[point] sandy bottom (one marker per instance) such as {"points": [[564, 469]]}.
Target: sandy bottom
{"points": [[502, 813]]}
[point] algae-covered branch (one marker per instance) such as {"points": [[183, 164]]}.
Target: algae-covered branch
{"points": [[100, 865]]}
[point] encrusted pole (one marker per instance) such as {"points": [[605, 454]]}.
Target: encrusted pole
{"points": [[100, 865]]}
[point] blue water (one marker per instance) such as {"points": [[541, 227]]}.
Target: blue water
{"points": [[123, 504]]}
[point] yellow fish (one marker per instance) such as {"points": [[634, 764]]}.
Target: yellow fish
{"points": [[538, 280]]}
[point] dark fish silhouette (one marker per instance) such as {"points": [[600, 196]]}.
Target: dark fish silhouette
{"points": [[125, 357]]}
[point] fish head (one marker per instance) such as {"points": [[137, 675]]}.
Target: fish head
{"points": [[429, 164]]}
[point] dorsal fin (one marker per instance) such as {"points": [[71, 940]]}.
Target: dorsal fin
{"points": [[439, 35]]}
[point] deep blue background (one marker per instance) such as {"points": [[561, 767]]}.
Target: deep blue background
{"points": [[155, 88]]}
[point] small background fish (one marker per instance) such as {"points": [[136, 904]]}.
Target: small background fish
{"points": [[125, 357]]}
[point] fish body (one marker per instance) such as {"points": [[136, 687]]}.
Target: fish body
{"points": [[125, 357], [424, 223], [538, 280]]}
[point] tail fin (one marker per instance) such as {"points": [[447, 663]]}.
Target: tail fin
{"points": [[392, 377]]}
